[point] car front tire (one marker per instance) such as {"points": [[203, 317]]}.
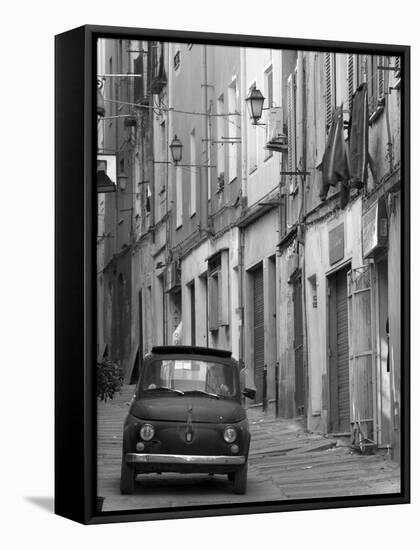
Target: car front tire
{"points": [[128, 478], [240, 480]]}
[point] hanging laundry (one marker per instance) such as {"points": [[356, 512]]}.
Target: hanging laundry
{"points": [[334, 164], [359, 137]]}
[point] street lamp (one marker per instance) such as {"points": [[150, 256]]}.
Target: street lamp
{"points": [[255, 102], [176, 150], [100, 104]]}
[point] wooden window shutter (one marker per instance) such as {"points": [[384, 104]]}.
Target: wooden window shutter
{"points": [[397, 65], [291, 130], [361, 355], [224, 289], [380, 72], [138, 82], [329, 87], [351, 77], [213, 301]]}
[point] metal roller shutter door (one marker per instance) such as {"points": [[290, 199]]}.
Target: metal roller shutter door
{"points": [[342, 353], [258, 332]]}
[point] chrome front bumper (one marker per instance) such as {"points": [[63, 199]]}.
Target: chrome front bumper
{"points": [[218, 460]]}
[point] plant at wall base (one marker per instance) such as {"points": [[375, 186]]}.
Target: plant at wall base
{"points": [[109, 379]]}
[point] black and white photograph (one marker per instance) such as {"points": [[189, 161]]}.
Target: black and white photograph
{"points": [[248, 273]]}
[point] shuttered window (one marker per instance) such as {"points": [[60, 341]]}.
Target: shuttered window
{"points": [[397, 65], [193, 174], [330, 88], [350, 77], [218, 290], [375, 81], [138, 82]]}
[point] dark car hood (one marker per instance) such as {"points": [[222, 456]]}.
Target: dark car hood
{"points": [[176, 408]]}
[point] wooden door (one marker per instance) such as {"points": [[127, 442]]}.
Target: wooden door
{"points": [[298, 348]]}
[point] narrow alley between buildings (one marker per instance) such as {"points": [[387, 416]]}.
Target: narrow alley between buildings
{"points": [[286, 462]]}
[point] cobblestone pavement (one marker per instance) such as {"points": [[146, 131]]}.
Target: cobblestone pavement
{"points": [[285, 462]]}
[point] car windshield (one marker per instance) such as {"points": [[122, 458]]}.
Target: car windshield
{"points": [[188, 375]]}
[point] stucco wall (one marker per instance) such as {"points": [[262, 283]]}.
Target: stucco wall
{"points": [[317, 264]]}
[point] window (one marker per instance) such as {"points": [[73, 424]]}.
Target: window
{"points": [[111, 91], [184, 375], [355, 75], [336, 85], [178, 183], [177, 60], [329, 87], [218, 290], [221, 123], [191, 288], [268, 84], [193, 173], [138, 86], [375, 83], [233, 130]]}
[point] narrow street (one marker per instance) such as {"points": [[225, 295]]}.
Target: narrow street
{"points": [[285, 462]]}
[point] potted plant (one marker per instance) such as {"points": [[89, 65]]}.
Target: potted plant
{"points": [[109, 379]]}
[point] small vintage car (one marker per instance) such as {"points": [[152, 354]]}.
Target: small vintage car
{"points": [[187, 417]]}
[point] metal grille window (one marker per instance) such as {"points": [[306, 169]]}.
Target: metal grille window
{"points": [[218, 290]]}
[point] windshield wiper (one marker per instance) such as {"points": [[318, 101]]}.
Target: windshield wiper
{"points": [[179, 392], [214, 395]]}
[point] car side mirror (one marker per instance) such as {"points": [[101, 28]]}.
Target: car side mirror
{"points": [[249, 392]]}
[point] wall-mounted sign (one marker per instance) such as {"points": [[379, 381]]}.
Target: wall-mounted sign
{"points": [[336, 238], [374, 229]]}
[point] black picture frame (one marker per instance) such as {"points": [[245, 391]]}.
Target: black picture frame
{"points": [[75, 291]]}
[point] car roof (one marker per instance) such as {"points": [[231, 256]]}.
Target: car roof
{"points": [[190, 350]]}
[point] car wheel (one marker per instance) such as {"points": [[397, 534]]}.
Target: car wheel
{"points": [[231, 476], [240, 479], [128, 478]]}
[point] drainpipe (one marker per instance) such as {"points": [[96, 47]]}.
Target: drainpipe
{"points": [[389, 145], [241, 236], [302, 161], [205, 143]]}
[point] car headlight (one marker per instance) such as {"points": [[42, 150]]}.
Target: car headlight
{"points": [[147, 431], [229, 434]]}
